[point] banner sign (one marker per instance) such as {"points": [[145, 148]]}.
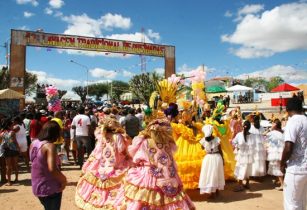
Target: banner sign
{"points": [[40, 39]]}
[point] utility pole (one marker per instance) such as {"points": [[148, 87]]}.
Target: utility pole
{"points": [[87, 70]]}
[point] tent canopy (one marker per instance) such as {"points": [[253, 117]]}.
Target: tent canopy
{"points": [[215, 89], [284, 87], [238, 88], [10, 94]]}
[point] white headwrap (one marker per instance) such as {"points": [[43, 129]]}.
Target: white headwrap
{"points": [[207, 130]]}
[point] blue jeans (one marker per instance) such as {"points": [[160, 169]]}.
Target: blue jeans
{"points": [[51, 202]]}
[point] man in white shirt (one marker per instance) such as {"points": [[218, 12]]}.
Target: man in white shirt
{"points": [[81, 123], [294, 157]]}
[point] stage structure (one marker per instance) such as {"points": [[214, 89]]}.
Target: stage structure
{"points": [[20, 39]]}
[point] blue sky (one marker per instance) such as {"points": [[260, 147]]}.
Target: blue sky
{"points": [[231, 38]]}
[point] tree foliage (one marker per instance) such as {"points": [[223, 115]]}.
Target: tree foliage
{"points": [[80, 91], [118, 88], [30, 81], [61, 93], [98, 90], [143, 85], [263, 84]]}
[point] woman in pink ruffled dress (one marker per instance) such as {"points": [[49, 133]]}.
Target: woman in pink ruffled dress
{"points": [[105, 168], [153, 181]]}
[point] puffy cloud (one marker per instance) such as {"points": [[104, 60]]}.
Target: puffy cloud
{"points": [[127, 74], [281, 29], [153, 35], [28, 14], [159, 71], [56, 4], [108, 74], [288, 73], [48, 11], [82, 25], [110, 21], [33, 2], [86, 26], [66, 84], [250, 9]]}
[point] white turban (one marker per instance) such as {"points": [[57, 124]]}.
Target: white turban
{"points": [[207, 130]]}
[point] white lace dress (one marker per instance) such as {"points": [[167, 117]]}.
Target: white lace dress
{"points": [[259, 164], [275, 142], [244, 150], [212, 170]]}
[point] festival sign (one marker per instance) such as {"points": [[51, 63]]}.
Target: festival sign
{"points": [[40, 39]]}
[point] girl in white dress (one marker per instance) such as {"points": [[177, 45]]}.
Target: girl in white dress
{"points": [[212, 171], [275, 140], [259, 165], [244, 143]]}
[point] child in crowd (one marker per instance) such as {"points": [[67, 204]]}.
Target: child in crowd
{"points": [[275, 139], [244, 148], [48, 182], [212, 171]]}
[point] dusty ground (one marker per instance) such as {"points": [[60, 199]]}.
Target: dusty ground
{"points": [[261, 196]]}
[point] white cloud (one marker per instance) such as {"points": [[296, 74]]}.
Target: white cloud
{"points": [[66, 84], [228, 14], [82, 25], [153, 35], [86, 26], [28, 14], [159, 71], [48, 11], [33, 2], [110, 21], [56, 4], [108, 74], [281, 29], [250, 9], [128, 74], [288, 73]]}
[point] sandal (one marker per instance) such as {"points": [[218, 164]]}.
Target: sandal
{"points": [[239, 189]]}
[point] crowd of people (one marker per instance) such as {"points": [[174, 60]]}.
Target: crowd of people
{"points": [[142, 158]]}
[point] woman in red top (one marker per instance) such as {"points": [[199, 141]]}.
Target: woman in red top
{"points": [[35, 126]]}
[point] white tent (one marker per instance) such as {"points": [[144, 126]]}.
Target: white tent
{"points": [[237, 88]]}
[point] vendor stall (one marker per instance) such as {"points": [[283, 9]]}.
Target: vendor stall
{"points": [[10, 102]]}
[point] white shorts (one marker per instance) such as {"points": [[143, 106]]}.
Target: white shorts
{"points": [[295, 191]]}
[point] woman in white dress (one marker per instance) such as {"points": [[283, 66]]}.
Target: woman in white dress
{"points": [[212, 170], [259, 165], [244, 143], [275, 140]]}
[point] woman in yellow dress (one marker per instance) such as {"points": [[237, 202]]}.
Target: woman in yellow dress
{"points": [[189, 154]]}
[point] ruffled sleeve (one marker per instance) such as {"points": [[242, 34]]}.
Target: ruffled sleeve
{"points": [[138, 150], [120, 141]]}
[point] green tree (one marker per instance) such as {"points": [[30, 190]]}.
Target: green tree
{"points": [[80, 91], [30, 81], [274, 82], [98, 90], [118, 88], [61, 93], [143, 85]]}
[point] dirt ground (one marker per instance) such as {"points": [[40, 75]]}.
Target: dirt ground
{"points": [[262, 195]]}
